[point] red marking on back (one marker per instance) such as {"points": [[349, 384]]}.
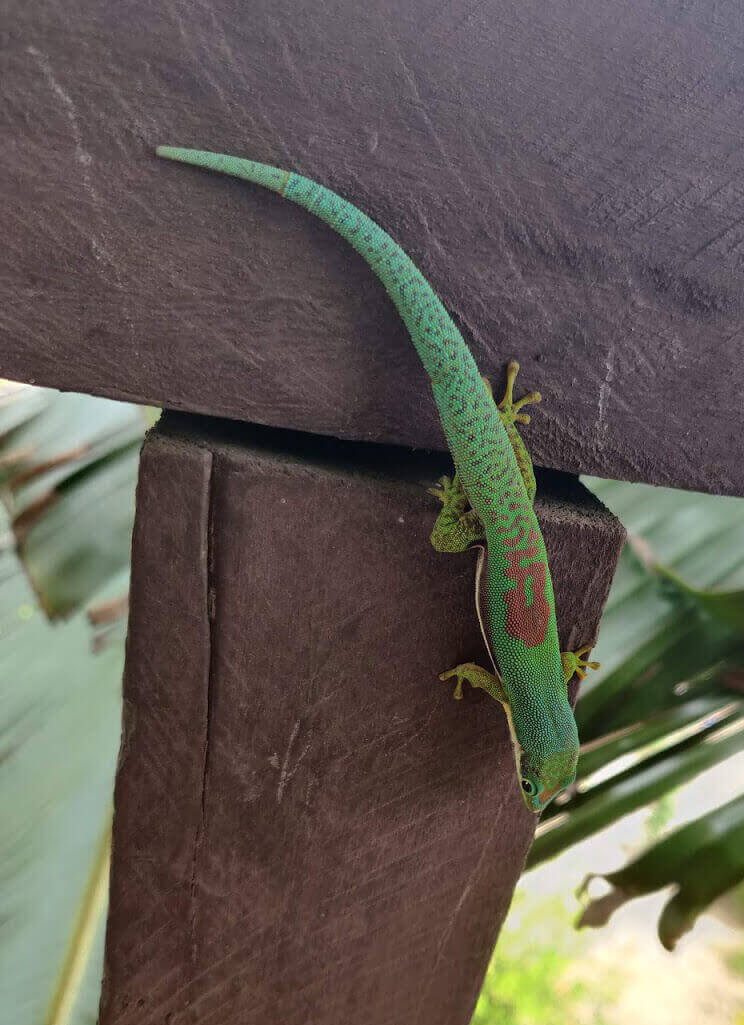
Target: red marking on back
{"points": [[528, 623]]}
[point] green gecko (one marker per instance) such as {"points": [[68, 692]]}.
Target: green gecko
{"points": [[488, 503]]}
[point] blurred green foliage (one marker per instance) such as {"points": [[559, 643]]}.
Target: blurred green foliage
{"points": [[667, 703], [531, 979], [68, 469]]}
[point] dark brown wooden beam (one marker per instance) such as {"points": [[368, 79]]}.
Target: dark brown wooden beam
{"points": [[567, 178], [308, 829]]}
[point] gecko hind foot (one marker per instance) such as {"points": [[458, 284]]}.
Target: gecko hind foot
{"points": [[450, 493], [457, 527], [509, 409], [510, 414], [574, 662]]}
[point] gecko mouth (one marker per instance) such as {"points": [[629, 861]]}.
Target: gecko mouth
{"points": [[546, 796]]}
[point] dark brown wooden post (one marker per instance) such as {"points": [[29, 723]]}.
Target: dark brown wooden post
{"points": [[308, 828]]}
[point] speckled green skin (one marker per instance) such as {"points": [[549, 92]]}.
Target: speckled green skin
{"points": [[518, 595]]}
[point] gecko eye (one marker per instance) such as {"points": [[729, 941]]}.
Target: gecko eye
{"points": [[528, 786]]}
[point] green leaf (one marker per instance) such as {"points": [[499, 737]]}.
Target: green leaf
{"points": [[59, 736], [83, 536], [705, 859], [90, 916], [724, 607], [627, 746], [68, 468], [655, 674], [666, 681]]}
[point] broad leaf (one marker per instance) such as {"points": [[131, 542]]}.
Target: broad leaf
{"points": [[668, 702], [68, 467], [59, 737], [650, 646], [703, 859]]}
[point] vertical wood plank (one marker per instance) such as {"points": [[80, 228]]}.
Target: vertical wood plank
{"points": [[346, 846]]}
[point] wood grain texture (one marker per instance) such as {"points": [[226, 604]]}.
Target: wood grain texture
{"points": [[308, 829], [567, 175], [159, 789]]}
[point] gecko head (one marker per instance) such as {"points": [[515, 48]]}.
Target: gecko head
{"points": [[542, 778], [545, 742]]}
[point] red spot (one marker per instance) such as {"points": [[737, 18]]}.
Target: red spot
{"points": [[526, 622]]}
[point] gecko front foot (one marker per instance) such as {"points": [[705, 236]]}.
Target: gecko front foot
{"points": [[457, 526], [574, 662], [470, 673]]}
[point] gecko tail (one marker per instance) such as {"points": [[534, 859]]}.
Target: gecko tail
{"points": [[443, 352], [273, 178]]}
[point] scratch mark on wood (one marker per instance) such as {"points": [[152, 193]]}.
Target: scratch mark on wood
{"points": [[81, 154], [604, 391], [99, 247], [286, 774]]}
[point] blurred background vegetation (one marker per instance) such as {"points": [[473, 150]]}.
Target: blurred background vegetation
{"points": [[656, 813]]}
